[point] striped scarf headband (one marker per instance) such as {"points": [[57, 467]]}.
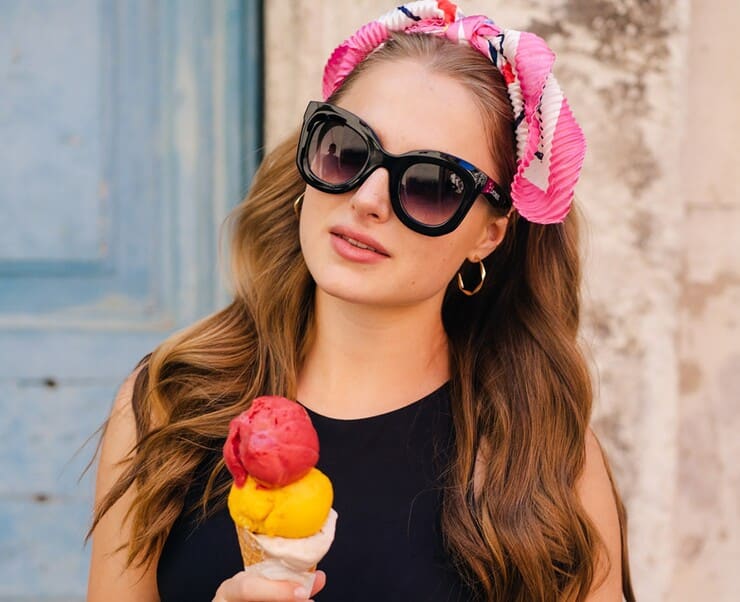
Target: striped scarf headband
{"points": [[550, 144]]}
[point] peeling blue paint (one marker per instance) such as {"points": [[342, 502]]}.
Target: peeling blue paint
{"points": [[110, 199]]}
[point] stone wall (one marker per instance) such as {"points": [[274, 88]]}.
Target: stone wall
{"points": [[655, 84]]}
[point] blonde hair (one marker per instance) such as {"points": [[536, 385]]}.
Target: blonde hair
{"points": [[520, 387]]}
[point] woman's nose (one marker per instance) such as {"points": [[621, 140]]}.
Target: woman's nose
{"points": [[370, 199]]}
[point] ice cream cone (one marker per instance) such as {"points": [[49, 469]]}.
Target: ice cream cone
{"points": [[252, 552], [279, 501], [259, 561]]}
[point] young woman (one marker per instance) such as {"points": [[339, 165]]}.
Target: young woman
{"points": [[407, 268]]}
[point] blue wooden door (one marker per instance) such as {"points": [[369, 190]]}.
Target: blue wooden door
{"points": [[128, 129]]}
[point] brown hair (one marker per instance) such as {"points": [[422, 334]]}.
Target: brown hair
{"points": [[520, 385]]}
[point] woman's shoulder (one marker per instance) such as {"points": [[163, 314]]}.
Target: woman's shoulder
{"points": [[128, 413], [594, 485], [109, 572], [119, 435], [596, 491], [120, 428], [123, 410]]}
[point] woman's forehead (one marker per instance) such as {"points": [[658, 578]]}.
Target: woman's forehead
{"points": [[410, 107]]}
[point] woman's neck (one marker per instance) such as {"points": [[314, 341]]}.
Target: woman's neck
{"points": [[366, 360]]}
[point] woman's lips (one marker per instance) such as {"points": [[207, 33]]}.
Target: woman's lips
{"points": [[358, 249], [360, 240]]}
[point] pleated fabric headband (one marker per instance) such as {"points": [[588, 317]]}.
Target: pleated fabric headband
{"points": [[550, 144]]}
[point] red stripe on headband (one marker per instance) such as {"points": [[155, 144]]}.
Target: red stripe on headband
{"points": [[508, 74], [450, 10]]}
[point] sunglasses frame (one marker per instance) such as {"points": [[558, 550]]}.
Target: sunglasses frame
{"points": [[475, 182]]}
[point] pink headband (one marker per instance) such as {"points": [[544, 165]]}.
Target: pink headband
{"points": [[550, 144]]}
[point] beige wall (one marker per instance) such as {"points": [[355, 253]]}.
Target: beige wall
{"points": [[656, 86], [707, 506]]}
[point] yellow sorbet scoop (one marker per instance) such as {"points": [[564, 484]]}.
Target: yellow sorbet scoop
{"points": [[296, 510]]}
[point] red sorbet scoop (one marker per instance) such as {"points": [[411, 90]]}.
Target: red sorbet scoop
{"points": [[274, 441]]}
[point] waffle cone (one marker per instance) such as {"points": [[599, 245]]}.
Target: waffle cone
{"points": [[252, 552]]}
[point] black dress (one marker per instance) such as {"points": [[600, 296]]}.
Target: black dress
{"points": [[388, 546]]}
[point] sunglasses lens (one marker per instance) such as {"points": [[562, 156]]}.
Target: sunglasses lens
{"points": [[336, 153], [430, 193]]}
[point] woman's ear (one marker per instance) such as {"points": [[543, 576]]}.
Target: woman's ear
{"points": [[491, 236]]}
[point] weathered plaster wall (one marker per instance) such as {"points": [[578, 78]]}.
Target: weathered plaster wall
{"points": [[707, 510], [655, 85]]}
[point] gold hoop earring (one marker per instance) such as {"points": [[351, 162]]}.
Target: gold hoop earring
{"points": [[297, 205], [461, 284]]}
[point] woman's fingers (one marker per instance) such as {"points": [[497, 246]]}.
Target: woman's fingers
{"points": [[319, 582], [244, 587]]}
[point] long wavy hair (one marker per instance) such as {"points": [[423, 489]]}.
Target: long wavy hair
{"points": [[512, 521]]}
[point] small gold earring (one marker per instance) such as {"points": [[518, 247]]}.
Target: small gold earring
{"points": [[297, 205], [461, 284]]}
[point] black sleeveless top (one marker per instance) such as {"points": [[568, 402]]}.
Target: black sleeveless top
{"points": [[386, 472]]}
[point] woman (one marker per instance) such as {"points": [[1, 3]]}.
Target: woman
{"points": [[414, 283]]}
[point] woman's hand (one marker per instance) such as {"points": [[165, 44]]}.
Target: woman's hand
{"points": [[244, 587]]}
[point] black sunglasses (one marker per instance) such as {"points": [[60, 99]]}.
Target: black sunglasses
{"points": [[430, 192]]}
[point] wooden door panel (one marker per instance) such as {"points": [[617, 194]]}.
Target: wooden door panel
{"points": [[50, 156], [127, 132]]}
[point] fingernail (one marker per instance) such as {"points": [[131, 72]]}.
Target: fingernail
{"points": [[300, 592]]}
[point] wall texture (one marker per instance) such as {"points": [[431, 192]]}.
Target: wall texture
{"points": [[654, 84]]}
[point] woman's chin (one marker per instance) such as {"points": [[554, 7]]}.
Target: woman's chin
{"points": [[357, 295], [376, 296]]}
